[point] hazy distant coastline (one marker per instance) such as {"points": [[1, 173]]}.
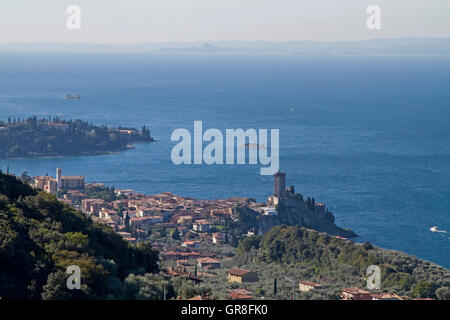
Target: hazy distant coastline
{"points": [[394, 46]]}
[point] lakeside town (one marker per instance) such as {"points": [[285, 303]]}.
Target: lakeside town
{"points": [[196, 238]]}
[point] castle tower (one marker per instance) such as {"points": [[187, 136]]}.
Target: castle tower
{"points": [[59, 178], [279, 183]]}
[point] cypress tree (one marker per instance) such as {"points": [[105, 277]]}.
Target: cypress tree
{"points": [[275, 289]]}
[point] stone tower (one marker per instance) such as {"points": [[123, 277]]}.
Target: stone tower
{"points": [[59, 177], [279, 183]]}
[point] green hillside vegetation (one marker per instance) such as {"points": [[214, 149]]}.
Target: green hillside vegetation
{"points": [[104, 193], [40, 237], [11, 188], [317, 255], [34, 137]]}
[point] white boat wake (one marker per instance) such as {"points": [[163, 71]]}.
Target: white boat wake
{"points": [[435, 229]]}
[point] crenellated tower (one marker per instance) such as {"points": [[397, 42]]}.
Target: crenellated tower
{"points": [[279, 183]]}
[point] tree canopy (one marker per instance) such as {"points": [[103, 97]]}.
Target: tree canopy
{"points": [[292, 245], [34, 137], [41, 236]]}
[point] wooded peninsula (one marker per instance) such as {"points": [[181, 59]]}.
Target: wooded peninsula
{"points": [[49, 137]]}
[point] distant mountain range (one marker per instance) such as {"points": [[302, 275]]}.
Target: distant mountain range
{"points": [[395, 46]]}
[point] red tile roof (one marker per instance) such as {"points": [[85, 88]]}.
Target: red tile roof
{"points": [[239, 296], [238, 272]]}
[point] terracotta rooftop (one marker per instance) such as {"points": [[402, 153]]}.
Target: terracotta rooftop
{"points": [[208, 260], [198, 298], [310, 284], [239, 296], [72, 177], [354, 290], [238, 272], [241, 291]]}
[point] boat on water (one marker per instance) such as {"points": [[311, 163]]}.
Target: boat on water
{"points": [[69, 96], [434, 229]]}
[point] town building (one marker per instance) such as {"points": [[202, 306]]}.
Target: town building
{"points": [[184, 220], [305, 286], [181, 272], [201, 226], [123, 192], [191, 244], [242, 291], [385, 296], [132, 240], [354, 293], [241, 275], [183, 263], [68, 182], [52, 185], [220, 215], [92, 206], [218, 238], [269, 211], [58, 125], [124, 234], [45, 183], [206, 298], [144, 222], [176, 255], [74, 196], [208, 263], [240, 296]]}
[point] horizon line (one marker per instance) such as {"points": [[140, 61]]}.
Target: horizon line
{"points": [[225, 41]]}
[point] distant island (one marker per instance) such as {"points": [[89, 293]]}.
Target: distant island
{"points": [[425, 46], [50, 137]]}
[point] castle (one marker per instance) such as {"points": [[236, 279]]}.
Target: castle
{"points": [[52, 185], [288, 197]]}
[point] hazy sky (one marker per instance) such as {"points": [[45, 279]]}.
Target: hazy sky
{"points": [[138, 21]]}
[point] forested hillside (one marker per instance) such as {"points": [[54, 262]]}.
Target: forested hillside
{"points": [[40, 237], [318, 255]]}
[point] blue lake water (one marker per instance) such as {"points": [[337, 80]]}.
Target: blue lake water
{"points": [[369, 136]]}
